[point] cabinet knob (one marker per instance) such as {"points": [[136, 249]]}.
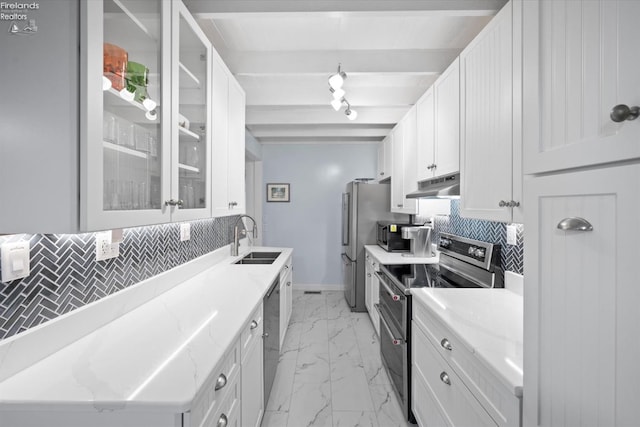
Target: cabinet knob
{"points": [[445, 344], [254, 324], [622, 112], [368, 274], [265, 335], [288, 283], [381, 173], [400, 205], [221, 382], [172, 202], [222, 422], [444, 377], [575, 224]]}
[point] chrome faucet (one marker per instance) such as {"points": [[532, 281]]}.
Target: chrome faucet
{"points": [[236, 234]]}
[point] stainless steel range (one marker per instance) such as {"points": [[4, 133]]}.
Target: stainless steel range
{"points": [[464, 263]]}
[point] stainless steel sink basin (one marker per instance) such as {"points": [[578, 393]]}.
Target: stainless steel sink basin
{"points": [[264, 255], [258, 258]]}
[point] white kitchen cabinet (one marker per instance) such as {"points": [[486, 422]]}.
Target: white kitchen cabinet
{"points": [[144, 164], [491, 136], [403, 146], [438, 133], [228, 187], [580, 60], [372, 289], [581, 299], [286, 298], [388, 156], [252, 373], [381, 172]]}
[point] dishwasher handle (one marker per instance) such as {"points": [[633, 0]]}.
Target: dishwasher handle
{"points": [[273, 287]]}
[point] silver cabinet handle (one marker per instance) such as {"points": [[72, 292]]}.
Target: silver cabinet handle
{"points": [[173, 202], [509, 204], [394, 297], [575, 223], [622, 112], [221, 382], [265, 335], [444, 377], [381, 173], [368, 274], [445, 344], [400, 205], [254, 324], [222, 422], [288, 283]]}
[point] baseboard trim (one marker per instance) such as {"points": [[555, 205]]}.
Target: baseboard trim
{"points": [[312, 287]]}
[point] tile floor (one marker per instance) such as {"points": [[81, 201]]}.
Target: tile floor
{"points": [[330, 373]]}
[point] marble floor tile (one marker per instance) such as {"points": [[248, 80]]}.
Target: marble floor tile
{"points": [[311, 406], [312, 368], [314, 337], [355, 419], [275, 419], [315, 308], [342, 340], [388, 409], [350, 390], [337, 307], [291, 341], [282, 389]]}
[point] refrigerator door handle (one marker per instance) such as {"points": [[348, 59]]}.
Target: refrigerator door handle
{"points": [[346, 259], [345, 219]]}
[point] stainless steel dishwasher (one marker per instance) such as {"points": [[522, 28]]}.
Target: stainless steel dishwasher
{"points": [[271, 336]]}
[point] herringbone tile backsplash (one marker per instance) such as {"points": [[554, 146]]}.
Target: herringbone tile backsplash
{"points": [[65, 274], [512, 256]]}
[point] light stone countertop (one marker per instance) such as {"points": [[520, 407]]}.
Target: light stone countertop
{"points": [[488, 322], [385, 257], [155, 357]]}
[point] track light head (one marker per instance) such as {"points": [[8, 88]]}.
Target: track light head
{"points": [[351, 114], [336, 104], [337, 80]]}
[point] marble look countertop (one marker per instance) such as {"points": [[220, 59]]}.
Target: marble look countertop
{"points": [[156, 356], [385, 257], [488, 322]]}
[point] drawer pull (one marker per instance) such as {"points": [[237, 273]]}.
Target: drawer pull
{"points": [[254, 324], [575, 224], [288, 283], [445, 344], [444, 377], [222, 422], [221, 382]]}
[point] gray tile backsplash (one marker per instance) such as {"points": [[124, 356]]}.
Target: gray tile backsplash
{"points": [[65, 275]]}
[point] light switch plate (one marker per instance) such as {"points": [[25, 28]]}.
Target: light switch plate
{"points": [[15, 261], [185, 231], [512, 233]]}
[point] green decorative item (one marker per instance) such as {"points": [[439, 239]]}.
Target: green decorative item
{"points": [[137, 80]]}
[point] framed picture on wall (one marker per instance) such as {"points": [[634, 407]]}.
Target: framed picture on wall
{"points": [[278, 193]]}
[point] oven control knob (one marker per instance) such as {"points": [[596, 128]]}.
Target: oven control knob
{"points": [[396, 297], [479, 253], [396, 341]]}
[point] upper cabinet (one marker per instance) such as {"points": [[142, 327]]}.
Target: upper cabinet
{"points": [[382, 173], [228, 142], [403, 144], [490, 140], [146, 139], [577, 67], [438, 133]]}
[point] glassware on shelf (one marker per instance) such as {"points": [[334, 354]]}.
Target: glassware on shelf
{"points": [[110, 127], [115, 61]]}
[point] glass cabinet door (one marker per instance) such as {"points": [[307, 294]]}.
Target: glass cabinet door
{"points": [[191, 117], [124, 163]]}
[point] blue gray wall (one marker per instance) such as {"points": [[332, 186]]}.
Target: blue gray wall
{"points": [[311, 222]]}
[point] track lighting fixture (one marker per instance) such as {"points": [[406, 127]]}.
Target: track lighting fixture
{"points": [[335, 87]]}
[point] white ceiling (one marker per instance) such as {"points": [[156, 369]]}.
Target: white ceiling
{"points": [[283, 51]]}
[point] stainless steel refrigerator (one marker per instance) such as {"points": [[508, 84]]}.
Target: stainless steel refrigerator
{"points": [[363, 205]]}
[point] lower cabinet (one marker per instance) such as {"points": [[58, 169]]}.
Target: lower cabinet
{"points": [[286, 298], [252, 375], [449, 384], [371, 290]]}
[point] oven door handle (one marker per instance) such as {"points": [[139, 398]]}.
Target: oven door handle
{"points": [[465, 275], [393, 296], [394, 340]]}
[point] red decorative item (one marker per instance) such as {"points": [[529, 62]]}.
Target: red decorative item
{"points": [[115, 65]]}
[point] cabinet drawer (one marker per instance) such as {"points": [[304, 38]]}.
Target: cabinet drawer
{"points": [[445, 390], [229, 409], [208, 399], [286, 269], [252, 331], [498, 401]]}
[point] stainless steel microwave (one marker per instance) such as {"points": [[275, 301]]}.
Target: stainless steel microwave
{"points": [[389, 236]]}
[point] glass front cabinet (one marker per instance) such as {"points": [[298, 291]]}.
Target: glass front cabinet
{"points": [[146, 113]]}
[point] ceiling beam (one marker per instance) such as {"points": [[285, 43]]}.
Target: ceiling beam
{"points": [[322, 115], [321, 140], [219, 8], [423, 61], [313, 131]]}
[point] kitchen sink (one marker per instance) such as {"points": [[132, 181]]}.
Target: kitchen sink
{"points": [[258, 258]]}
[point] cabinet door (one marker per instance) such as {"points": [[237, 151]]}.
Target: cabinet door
{"points": [[125, 114], [397, 177], [388, 156], [236, 148], [375, 299], [580, 60], [220, 131], [426, 136], [447, 121], [368, 273], [405, 130], [581, 299], [409, 166], [487, 132], [252, 389], [380, 173], [190, 118]]}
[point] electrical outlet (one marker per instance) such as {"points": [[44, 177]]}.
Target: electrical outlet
{"points": [[185, 231], [512, 233], [104, 248]]}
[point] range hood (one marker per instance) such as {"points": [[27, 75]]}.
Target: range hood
{"points": [[447, 186]]}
